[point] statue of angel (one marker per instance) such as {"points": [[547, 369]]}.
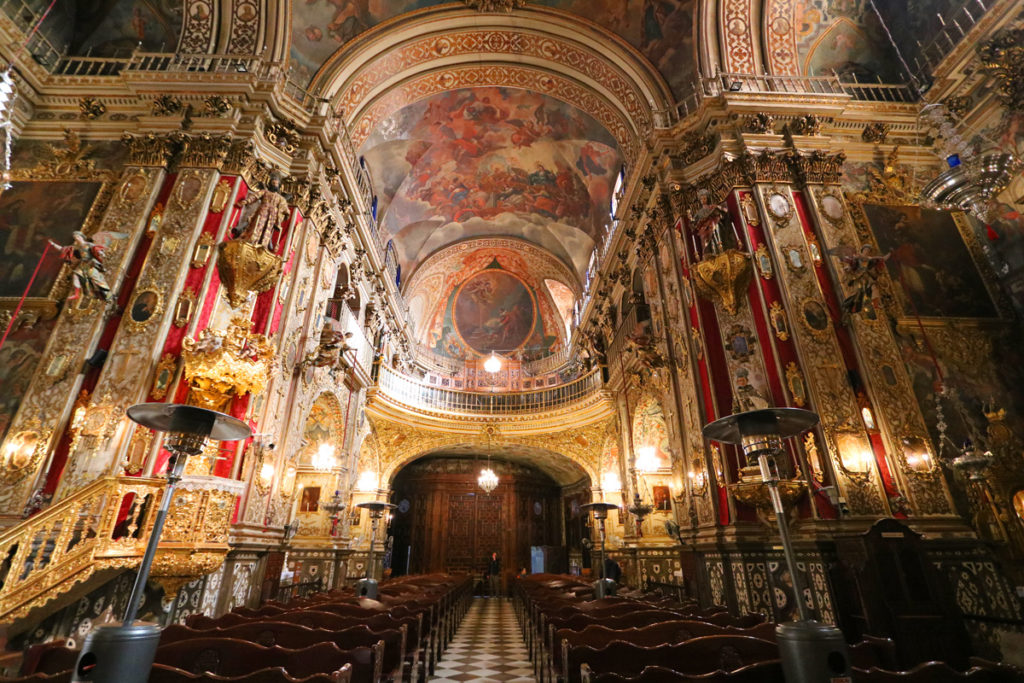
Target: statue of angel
{"points": [[85, 257], [861, 269], [272, 209]]}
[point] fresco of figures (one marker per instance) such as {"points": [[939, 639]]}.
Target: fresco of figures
{"points": [[662, 30], [494, 297], [493, 161]]}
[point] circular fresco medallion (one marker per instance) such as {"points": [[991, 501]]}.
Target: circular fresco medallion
{"points": [[494, 311]]}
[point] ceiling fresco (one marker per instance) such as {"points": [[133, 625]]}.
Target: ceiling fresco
{"points": [[490, 296], [845, 37], [109, 28], [663, 30], [492, 161]]}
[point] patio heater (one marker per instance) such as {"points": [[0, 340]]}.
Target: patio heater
{"points": [[604, 586], [124, 654], [811, 652], [367, 586]]}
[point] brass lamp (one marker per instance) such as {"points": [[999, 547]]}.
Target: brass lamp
{"points": [[124, 654], [810, 651], [604, 586], [367, 586]]}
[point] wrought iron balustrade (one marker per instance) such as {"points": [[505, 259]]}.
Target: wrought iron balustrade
{"points": [[409, 392]]}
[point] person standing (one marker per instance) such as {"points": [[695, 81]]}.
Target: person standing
{"points": [[494, 575]]}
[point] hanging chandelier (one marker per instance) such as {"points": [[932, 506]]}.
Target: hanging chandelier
{"points": [[488, 480], [973, 180], [493, 363], [323, 459]]}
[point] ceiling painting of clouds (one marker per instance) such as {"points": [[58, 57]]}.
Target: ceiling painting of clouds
{"points": [[492, 161]]}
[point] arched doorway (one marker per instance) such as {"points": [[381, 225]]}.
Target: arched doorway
{"points": [[446, 523]]}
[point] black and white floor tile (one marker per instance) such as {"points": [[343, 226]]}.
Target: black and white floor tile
{"points": [[487, 647]]}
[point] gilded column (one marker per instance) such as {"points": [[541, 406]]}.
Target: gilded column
{"points": [[136, 347]]}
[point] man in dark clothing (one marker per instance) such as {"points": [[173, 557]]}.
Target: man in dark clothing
{"points": [[612, 570], [494, 575]]}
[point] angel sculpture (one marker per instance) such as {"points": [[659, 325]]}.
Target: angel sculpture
{"points": [[332, 347], [861, 270], [268, 215], [85, 257]]}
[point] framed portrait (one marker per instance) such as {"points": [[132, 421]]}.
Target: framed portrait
{"points": [[164, 376], [814, 316], [779, 206], [764, 262], [310, 499], [797, 388], [144, 306], [662, 498], [740, 341], [934, 261], [204, 247], [777, 316], [189, 187], [832, 208]]}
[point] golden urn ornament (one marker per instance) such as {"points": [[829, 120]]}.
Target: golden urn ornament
{"points": [[723, 277], [222, 365], [244, 267]]}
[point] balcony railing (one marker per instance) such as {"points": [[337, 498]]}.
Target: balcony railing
{"points": [[409, 392], [435, 362]]}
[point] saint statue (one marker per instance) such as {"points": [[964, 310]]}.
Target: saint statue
{"points": [[86, 260], [272, 209]]}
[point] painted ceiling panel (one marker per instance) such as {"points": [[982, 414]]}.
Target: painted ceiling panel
{"points": [[492, 161], [490, 295], [663, 30]]}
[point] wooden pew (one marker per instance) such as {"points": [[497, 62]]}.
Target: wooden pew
{"points": [[169, 674], [760, 672], [229, 657], [939, 672], [696, 656]]}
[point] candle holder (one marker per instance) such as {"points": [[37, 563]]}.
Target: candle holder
{"points": [[124, 654], [604, 586], [810, 651], [367, 586], [334, 508]]}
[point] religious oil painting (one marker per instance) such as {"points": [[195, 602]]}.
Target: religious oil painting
{"points": [[494, 312], [932, 269], [19, 357], [30, 214]]}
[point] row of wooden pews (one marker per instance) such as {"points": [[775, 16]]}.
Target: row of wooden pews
{"points": [[333, 636], [641, 637]]}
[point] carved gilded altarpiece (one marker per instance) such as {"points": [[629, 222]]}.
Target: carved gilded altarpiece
{"points": [[127, 375], [826, 375], [889, 384], [119, 207]]}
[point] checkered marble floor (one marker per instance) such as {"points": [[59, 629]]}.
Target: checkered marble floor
{"points": [[487, 647]]}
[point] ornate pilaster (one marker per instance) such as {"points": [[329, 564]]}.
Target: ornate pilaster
{"points": [[148, 315]]}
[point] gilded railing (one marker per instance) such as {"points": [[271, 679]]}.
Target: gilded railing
{"points": [[102, 527], [406, 391]]}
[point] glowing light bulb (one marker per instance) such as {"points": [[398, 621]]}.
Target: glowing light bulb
{"points": [[493, 363]]}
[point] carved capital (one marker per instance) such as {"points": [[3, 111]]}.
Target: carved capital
{"points": [[202, 150], [148, 150]]}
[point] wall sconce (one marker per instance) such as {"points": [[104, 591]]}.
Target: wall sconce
{"points": [[646, 460], [917, 454], [611, 482], [367, 481], [855, 454], [267, 474], [698, 482]]}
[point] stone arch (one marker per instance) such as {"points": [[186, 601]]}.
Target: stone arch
{"points": [[400, 444], [410, 58]]}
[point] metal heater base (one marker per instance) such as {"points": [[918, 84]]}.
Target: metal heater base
{"points": [[368, 588], [118, 654], [604, 588], [812, 652]]}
